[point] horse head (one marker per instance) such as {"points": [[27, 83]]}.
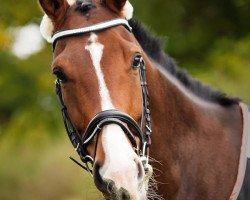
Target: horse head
{"points": [[100, 85], [100, 64]]}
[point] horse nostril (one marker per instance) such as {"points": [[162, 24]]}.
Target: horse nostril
{"points": [[105, 186], [140, 170], [123, 194]]}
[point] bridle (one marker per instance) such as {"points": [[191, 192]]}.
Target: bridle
{"points": [[126, 122]]}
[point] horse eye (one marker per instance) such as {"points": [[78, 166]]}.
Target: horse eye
{"points": [[60, 75], [137, 62]]}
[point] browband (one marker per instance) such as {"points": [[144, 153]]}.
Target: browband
{"points": [[92, 28]]}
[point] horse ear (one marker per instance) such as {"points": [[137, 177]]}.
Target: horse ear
{"points": [[55, 9], [121, 7]]}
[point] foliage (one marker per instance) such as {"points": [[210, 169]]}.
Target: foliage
{"points": [[228, 63], [209, 38], [38, 169], [193, 26]]}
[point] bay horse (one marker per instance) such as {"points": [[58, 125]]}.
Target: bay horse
{"points": [[129, 110]]}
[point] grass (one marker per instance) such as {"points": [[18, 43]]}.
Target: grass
{"points": [[42, 171]]}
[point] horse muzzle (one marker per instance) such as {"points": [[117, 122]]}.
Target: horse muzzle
{"points": [[112, 191]]}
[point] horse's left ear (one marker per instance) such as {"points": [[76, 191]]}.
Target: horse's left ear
{"points": [[55, 9], [121, 7], [54, 12]]}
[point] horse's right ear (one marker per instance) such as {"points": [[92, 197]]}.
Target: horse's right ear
{"points": [[121, 7], [55, 9]]}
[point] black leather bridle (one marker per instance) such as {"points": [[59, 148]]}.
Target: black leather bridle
{"points": [[126, 122]]}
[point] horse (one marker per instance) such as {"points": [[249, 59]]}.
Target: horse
{"points": [[143, 128]]}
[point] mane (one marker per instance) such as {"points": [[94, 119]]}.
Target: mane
{"points": [[154, 47]]}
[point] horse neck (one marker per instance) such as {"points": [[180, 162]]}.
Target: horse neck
{"points": [[188, 132], [173, 103]]}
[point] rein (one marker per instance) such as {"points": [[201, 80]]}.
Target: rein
{"points": [[125, 121]]}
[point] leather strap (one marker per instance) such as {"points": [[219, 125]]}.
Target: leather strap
{"points": [[92, 28], [112, 116]]}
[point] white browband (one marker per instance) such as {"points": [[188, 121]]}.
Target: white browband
{"points": [[92, 28]]}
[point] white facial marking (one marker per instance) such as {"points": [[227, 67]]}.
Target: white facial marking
{"points": [[96, 50], [120, 159], [120, 165]]}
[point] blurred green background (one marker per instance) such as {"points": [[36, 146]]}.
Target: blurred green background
{"points": [[210, 39]]}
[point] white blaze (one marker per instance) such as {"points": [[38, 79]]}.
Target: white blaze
{"points": [[96, 50], [120, 159], [120, 165]]}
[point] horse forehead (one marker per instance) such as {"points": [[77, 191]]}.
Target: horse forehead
{"points": [[75, 18], [95, 49]]}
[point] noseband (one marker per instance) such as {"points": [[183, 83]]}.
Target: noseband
{"points": [[123, 120]]}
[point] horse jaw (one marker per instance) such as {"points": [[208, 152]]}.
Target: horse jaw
{"points": [[122, 165]]}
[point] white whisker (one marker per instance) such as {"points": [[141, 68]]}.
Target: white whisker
{"points": [[155, 161], [153, 184], [152, 190]]}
